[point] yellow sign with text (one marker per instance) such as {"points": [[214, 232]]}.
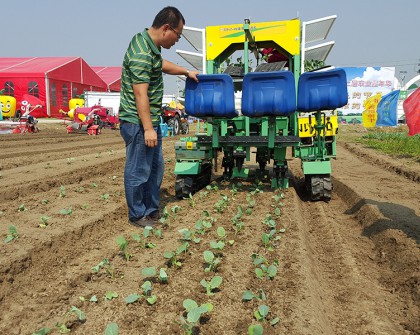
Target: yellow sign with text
{"points": [[285, 34], [306, 126]]}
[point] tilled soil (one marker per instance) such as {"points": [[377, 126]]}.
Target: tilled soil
{"points": [[349, 266]]}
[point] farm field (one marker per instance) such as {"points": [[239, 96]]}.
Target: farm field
{"points": [[349, 266]]}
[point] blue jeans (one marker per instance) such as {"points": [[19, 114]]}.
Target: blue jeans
{"points": [[143, 173]]}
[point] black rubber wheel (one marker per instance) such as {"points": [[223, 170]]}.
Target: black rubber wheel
{"points": [[175, 123], [185, 128], [319, 186]]}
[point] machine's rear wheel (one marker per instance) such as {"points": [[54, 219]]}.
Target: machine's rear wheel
{"points": [[185, 127], [175, 123], [190, 184], [319, 186]]}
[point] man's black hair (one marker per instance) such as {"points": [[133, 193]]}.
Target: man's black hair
{"points": [[168, 15]]}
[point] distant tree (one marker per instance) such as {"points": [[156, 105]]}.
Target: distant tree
{"points": [[312, 64]]}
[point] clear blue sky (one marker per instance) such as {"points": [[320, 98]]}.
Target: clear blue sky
{"points": [[366, 32]]}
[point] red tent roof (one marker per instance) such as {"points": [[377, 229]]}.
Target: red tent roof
{"points": [[111, 75], [73, 69]]}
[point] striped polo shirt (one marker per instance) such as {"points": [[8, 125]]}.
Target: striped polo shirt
{"points": [[142, 64]]}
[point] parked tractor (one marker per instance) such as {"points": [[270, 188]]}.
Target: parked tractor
{"points": [[91, 120], [176, 119], [281, 108]]}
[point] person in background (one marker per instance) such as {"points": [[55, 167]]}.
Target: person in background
{"points": [[140, 105], [271, 55]]}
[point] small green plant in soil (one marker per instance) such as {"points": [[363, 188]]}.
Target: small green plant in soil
{"points": [[189, 235], [194, 313], [44, 221], [212, 262], [105, 264], [249, 295], [146, 293], [62, 191], [255, 329], [112, 329], [123, 244], [173, 256], [151, 273], [269, 240], [142, 241], [238, 224], [62, 326], [262, 315], [42, 331], [12, 235], [211, 285]]}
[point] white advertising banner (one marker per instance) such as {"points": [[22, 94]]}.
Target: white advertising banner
{"points": [[365, 82]]}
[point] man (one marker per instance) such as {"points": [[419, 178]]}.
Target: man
{"points": [[141, 101]]}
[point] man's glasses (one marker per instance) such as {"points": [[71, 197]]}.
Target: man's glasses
{"points": [[178, 34]]}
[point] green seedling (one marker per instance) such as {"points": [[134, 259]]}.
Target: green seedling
{"points": [[191, 201], [151, 273], [172, 256], [105, 197], [269, 240], [255, 330], [175, 210], [62, 328], [189, 235], [257, 188], [221, 205], [12, 235], [112, 329], [250, 204], [42, 331], [269, 221], [123, 244], [164, 220], [194, 313], [202, 226], [211, 261], [203, 194], [265, 271], [211, 285], [238, 224], [66, 211], [142, 242], [107, 266], [262, 313], [249, 295], [22, 208], [110, 295], [147, 292], [80, 189], [44, 221], [62, 191], [44, 201], [93, 185], [70, 160], [212, 187]]}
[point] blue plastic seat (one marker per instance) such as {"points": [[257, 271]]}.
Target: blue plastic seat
{"points": [[324, 90], [268, 94], [213, 95]]}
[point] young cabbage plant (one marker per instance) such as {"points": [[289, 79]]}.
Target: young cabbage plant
{"points": [[262, 315], [249, 295], [62, 327], [107, 266], [194, 313], [212, 262], [172, 256], [211, 285], [269, 240], [189, 235], [255, 329], [12, 235], [142, 242], [123, 244], [151, 273]]}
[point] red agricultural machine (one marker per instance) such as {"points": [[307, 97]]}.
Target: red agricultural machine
{"points": [[91, 120], [176, 119]]}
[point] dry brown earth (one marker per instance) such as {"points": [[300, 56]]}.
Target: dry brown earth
{"points": [[350, 266]]}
